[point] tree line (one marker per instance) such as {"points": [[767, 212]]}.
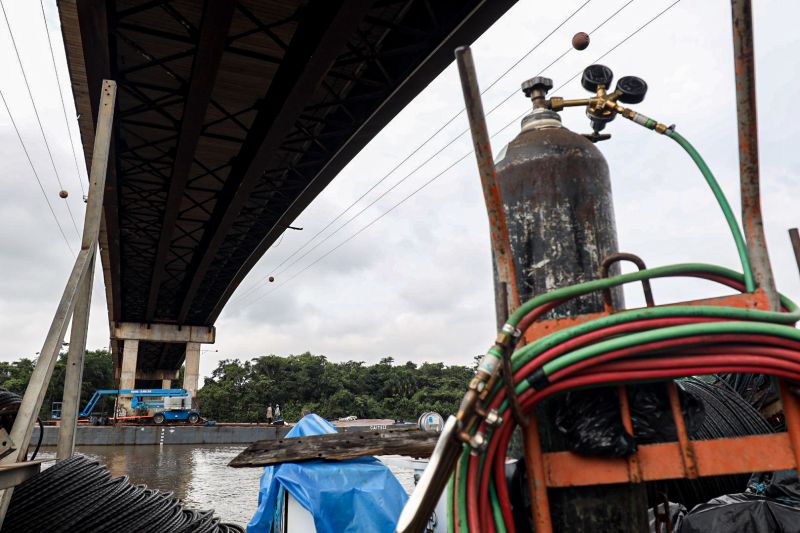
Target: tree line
{"points": [[239, 391], [98, 373]]}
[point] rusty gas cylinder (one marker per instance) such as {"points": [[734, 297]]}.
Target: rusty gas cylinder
{"points": [[556, 192]]}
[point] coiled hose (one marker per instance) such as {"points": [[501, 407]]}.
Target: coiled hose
{"points": [[631, 346], [79, 494]]}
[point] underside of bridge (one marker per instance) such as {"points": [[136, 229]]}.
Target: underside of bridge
{"points": [[232, 116]]}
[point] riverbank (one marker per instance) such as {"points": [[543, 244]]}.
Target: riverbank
{"points": [[150, 435], [129, 435]]}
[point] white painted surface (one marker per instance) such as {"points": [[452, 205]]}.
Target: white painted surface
{"points": [[298, 519]]}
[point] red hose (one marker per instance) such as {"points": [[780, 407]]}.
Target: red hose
{"points": [[472, 494], [698, 361], [691, 341], [698, 354], [593, 336], [600, 376]]}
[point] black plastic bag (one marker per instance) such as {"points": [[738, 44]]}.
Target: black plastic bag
{"points": [[592, 423], [742, 513], [591, 420], [652, 415]]}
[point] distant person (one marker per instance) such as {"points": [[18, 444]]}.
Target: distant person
{"points": [[277, 412], [269, 414]]}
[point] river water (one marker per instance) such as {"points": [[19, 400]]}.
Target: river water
{"points": [[198, 474]]}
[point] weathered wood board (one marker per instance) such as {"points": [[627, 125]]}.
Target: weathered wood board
{"points": [[337, 447]]}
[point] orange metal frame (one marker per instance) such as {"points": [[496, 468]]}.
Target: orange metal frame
{"points": [[671, 460]]}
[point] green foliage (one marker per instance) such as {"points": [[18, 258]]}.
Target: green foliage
{"points": [[240, 391], [98, 373]]}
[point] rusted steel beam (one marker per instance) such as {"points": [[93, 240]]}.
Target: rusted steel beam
{"points": [[685, 445], [737, 455], [337, 447], [791, 413], [319, 39], [747, 121], [213, 34], [537, 485], [498, 229], [794, 236]]}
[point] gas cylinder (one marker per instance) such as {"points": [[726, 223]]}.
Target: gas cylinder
{"points": [[556, 192]]}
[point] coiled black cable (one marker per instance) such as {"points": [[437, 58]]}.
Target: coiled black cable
{"points": [[79, 494], [728, 414], [9, 401]]}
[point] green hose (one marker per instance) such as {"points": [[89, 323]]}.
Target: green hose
{"points": [[650, 273], [450, 518], [753, 326], [497, 514], [462, 489], [741, 247], [533, 349], [668, 333], [746, 321]]}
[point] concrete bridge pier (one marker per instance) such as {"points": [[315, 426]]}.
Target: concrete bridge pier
{"points": [[131, 370]]}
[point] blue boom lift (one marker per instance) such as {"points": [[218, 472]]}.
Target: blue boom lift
{"points": [[173, 404]]}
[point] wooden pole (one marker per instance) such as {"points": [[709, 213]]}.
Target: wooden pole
{"points": [[73, 378], [80, 319]]}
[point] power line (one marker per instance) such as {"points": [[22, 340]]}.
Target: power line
{"points": [[63, 103], [425, 162], [424, 143], [38, 119], [379, 217], [30, 162], [393, 207]]}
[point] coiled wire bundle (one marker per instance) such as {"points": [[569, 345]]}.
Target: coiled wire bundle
{"points": [[9, 402], [727, 414], [79, 495]]}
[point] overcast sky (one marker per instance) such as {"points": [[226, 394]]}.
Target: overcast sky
{"points": [[416, 285]]}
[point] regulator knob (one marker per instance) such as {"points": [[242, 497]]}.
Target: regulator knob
{"points": [[539, 82], [632, 88], [596, 75]]}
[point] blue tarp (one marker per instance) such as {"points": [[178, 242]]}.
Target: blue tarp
{"points": [[355, 496]]}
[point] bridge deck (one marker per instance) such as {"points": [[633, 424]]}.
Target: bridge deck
{"points": [[232, 117]]}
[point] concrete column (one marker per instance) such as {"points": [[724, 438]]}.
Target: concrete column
{"points": [[191, 372], [166, 383], [127, 378]]}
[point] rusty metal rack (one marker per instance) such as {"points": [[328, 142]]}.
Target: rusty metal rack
{"points": [[684, 458]]}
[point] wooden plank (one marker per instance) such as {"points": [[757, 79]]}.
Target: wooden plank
{"points": [[740, 455], [337, 447]]}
